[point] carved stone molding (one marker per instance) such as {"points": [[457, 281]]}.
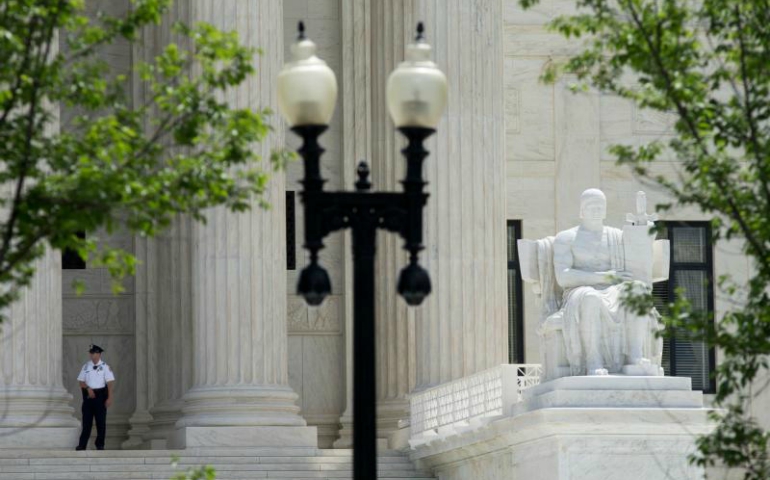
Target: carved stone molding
{"points": [[325, 319], [88, 315]]}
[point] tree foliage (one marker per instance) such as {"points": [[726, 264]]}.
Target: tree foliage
{"points": [[205, 472], [707, 63], [119, 161]]}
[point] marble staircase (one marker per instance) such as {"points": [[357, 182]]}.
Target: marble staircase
{"points": [[230, 464]]}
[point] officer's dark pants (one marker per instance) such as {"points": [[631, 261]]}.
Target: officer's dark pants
{"points": [[94, 409]]}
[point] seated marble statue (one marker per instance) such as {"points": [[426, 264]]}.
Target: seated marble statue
{"points": [[592, 266]]}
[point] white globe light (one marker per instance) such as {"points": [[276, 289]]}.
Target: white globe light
{"points": [[307, 87], [417, 89]]}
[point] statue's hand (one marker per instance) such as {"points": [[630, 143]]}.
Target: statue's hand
{"points": [[613, 276]]}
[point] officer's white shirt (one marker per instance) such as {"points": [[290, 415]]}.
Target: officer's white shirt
{"points": [[96, 377]]}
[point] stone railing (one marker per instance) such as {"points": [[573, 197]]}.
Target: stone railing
{"points": [[469, 402]]}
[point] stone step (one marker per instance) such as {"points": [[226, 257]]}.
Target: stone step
{"points": [[240, 452], [221, 475], [106, 460], [240, 464]]}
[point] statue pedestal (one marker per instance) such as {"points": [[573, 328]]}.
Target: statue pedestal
{"points": [[648, 370], [587, 428], [611, 391]]}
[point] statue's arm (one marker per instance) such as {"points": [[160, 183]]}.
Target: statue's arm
{"points": [[569, 277]]}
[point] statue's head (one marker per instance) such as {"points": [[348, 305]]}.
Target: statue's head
{"points": [[593, 204]]}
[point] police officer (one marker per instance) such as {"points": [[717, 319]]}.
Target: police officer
{"points": [[96, 383]]}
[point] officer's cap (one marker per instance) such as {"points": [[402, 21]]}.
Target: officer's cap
{"points": [[95, 349]]}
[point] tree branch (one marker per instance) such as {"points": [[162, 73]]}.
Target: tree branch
{"points": [[749, 106], [684, 113], [11, 262], [42, 59], [28, 47]]}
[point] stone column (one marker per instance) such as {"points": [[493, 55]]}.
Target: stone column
{"points": [[462, 327], [35, 409], [144, 291], [240, 394], [390, 31], [163, 289], [173, 328], [356, 103], [145, 279]]}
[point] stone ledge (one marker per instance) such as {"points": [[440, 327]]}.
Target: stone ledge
{"points": [[610, 382], [251, 436], [611, 399]]}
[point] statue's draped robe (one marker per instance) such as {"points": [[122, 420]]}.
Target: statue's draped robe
{"points": [[611, 319]]}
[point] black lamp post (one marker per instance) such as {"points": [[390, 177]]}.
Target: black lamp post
{"points": [[416, 91]]}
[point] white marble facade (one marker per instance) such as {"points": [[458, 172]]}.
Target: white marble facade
{"points": [[510, 147]]}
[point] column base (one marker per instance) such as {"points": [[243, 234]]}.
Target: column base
{"points": [[242, 416], [191, 437], [390, 413], [37, 417], [240, 406], [163, 424], [346, 432], [140, 427], [55, 438], [328, 426]]}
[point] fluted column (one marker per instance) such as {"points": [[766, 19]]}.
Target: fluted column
{"points": [[356, 102], [240, 394], [462, 327], [145, 294], [163, 288], [391, 28], [173, 326], [35, 409]]}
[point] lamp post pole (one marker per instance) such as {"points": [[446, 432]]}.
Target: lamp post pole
{"points": [[363, 212], [418, 93]]}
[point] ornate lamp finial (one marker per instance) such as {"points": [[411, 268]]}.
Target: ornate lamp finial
{"points": [[363, 183], [420, 31]]}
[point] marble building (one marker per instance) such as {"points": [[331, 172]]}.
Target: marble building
{"points": [[209, 341]]}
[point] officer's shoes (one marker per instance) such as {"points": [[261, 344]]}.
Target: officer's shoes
{"points": [[100, 448], [77, 449]]}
